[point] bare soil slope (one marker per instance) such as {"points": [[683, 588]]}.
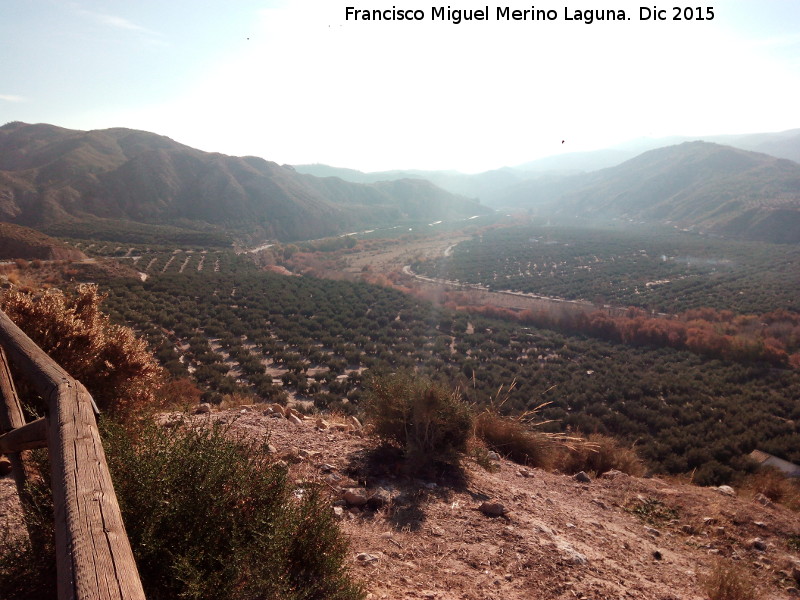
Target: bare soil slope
{"points": [[614, 537]]}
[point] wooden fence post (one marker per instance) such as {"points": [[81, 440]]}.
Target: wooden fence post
{"points": [[94, 557], [12, 418]]}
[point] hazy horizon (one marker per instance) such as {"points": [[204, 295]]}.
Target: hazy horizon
{"points": [[296, 82]]}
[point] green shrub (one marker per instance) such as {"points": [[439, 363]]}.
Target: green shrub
{"points": [[432, 423], [211, 518]]}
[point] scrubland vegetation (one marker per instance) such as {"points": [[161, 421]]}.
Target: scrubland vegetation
{"points": [[440, 384], [208, 516], [240, 331]]}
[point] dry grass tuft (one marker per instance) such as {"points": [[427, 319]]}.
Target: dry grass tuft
{"points": [[517, 438], [729, 581], [774, 485], [599, 454]]}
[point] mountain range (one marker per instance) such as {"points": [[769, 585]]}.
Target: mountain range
{"points": [[125, 184], [58, 180], [699, 185]]}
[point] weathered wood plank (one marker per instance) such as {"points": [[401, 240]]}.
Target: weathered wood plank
{"points": [[12, 417], [28, 437], [95, 561]]}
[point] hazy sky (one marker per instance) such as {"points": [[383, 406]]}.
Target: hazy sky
{"points": [[293, 82]]}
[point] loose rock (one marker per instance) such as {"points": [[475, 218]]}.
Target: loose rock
{"points": [[763, 500], [582, 477], [493, 509], [758, 544], [726, 490], [366, 558], [355, 497]]}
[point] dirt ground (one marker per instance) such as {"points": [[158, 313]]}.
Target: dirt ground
{"points": [[614, 537]]}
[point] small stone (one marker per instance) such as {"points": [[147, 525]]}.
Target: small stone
{"points": [[653, 532], [203, 409], [582, 477], [763, 500], [493, 509], [5, 467], [380, 497], [326, 468], [294, 419], [758, 544], [793, 591], [278, 410], [355, 496], [657, 555], [688, 529], [524, 473], [338, 512], [354, 422], [322, 424], [760, 524], [726, 490], [308, 454], [492, 455], [366, 558], [271, 449], [719, 530]]}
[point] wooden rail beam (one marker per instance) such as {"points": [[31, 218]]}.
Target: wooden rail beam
{"points": [[12, 417], [28, 437], [94, 557]]}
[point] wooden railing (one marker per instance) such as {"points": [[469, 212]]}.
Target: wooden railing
{"points": [[93, 555]]}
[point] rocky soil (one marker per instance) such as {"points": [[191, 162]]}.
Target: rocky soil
{"points": [[517, 533]]}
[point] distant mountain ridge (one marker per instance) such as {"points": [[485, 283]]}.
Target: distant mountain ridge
{"points": [[494, 187], [51, 176], [694, 184], [697, 185]]}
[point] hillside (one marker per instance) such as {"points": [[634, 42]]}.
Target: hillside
{"points": [[51, 178], [694, 185], [22, 242], [483, 185], [553, 175], [616, 536]]}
